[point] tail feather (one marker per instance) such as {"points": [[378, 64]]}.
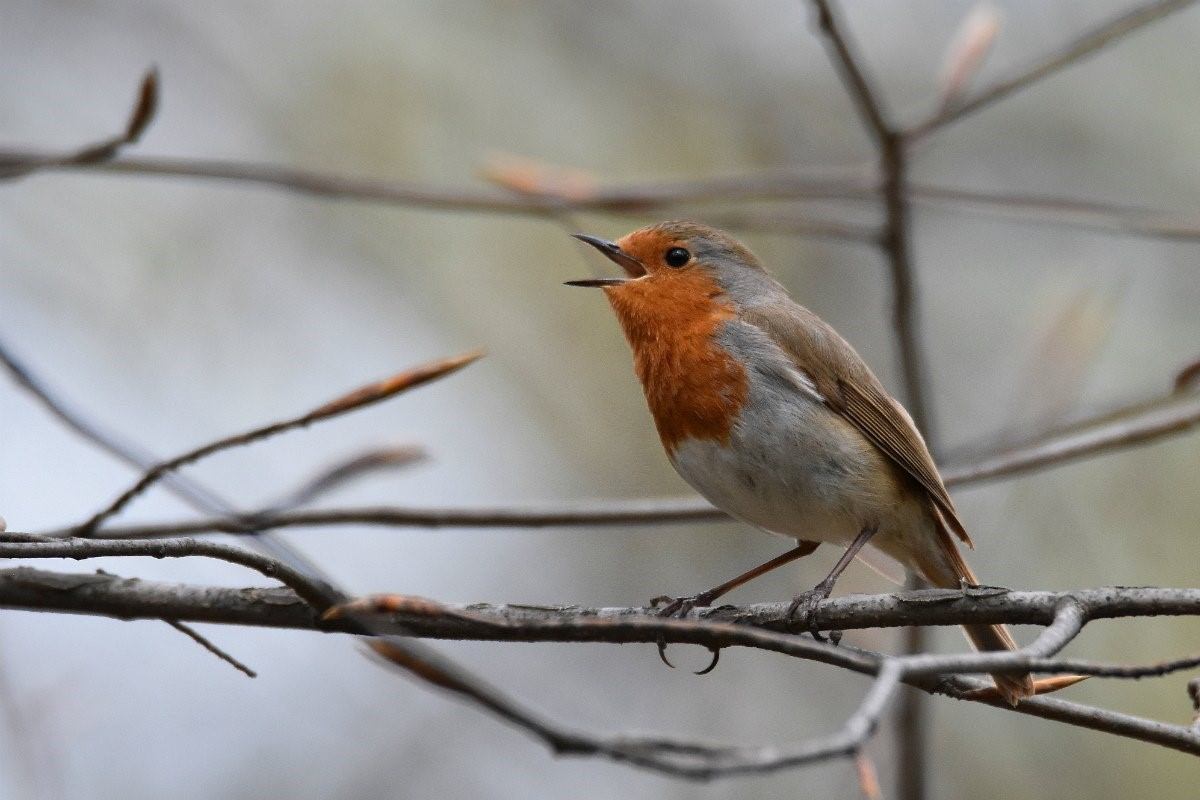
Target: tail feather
{"points": [[949, 573], [1013, 686]]}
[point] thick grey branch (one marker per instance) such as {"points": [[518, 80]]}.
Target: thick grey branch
{"points": [[123, 598], [130, 598]]}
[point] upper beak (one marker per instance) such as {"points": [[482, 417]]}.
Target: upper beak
{"points": [[633, 268]]}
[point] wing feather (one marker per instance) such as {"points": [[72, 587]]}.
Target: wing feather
{"points": [[850, 389]]}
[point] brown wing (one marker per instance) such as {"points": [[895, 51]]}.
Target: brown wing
{"points": [[850, 389]]}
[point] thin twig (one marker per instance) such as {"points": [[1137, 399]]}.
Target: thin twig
{"points": [[847, 183], [1175, 737], [207, 644], [1058, 210], [1131, 426], [862, 94], [19, 545], [1072, 52], [627, 512], [363, 396], [140, 117], [339, 473]]}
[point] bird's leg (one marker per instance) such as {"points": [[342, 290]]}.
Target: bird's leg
{"points": [[805, 603], [680, 606]]}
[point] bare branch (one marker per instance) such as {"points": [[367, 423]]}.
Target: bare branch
{"points": [[139, 119], [111, 595], [204, 642], [1122, 429], [342, 472], [364, 396], [845, 183], [21, 545], [620, 512], [1175, 737], [757, 626], [1073, 51], [1076, 212], [852, 75]]}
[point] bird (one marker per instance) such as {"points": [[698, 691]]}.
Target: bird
{"points": [[766, 411]]}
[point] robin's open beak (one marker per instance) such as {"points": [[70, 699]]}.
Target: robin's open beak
{"points": [[633, 268]]}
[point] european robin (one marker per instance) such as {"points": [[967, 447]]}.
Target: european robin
{"points": [[774, 418]]}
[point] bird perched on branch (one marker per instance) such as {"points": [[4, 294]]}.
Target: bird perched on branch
{"points": [[772, 416]]}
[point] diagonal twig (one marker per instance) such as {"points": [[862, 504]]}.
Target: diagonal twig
{"points": [[1133, 425], [1070, 53], [140, 117], [363, 396], [339, 473], [203, 641]]}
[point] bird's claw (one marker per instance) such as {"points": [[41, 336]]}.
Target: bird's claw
{"points": [[662, 654], [662, 651], [680, 607], [802, 611], [716, 656]]}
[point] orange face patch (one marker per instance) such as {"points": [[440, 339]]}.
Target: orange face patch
{"points": [[648, 246], [694, 389]]}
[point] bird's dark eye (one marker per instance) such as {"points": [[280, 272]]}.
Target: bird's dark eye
{"points": [[676, 257]]}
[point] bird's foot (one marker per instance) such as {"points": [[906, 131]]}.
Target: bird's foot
{"points": [[802, 611], [679, 608], [978, 591]]}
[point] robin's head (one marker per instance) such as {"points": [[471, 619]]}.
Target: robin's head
{"points": [[684, 282], [681, 261]]}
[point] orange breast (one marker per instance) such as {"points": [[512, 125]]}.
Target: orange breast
{"points": [[694, 389]]}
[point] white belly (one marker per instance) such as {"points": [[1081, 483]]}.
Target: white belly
{"points": [[795, 468]]}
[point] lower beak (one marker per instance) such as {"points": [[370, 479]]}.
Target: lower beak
{"points": [[597, 282], [633, 268]]}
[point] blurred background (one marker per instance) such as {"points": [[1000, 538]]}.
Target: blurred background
{"points": [[177, 311]]}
